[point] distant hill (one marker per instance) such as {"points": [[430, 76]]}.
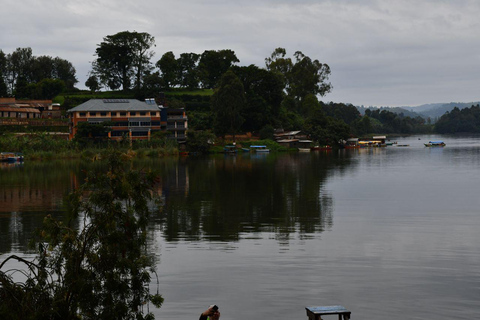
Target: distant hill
{"points": [[436, 110], [431, 110], [398, 110]]}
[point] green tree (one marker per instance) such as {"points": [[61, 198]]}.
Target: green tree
{"points": [[99, 270], [65, 71], [303, 76], [326, 130], [228, 102], [3, 72], [267, 132], [199, 141], [346, 112], [169, 68], [187, 70], [22, 69], [455, 121], [89, 133], [213, 64], [152, 85], [49, 88], [363, 125], [308, 76], [264, 93], [277, 62], [92, 83], [123, 59], [42, 68], [19, 65]]}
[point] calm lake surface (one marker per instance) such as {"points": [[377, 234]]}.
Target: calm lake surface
{"points": [[389, 233]]}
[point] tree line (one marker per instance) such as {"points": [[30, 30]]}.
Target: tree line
{"points": [[464, 120], [35, 77], [284, 93]]}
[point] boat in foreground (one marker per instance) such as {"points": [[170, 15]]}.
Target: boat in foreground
{"points": [[435, 144]]}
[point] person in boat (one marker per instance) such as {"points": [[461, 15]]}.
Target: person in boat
{"points": [[211, 313]]}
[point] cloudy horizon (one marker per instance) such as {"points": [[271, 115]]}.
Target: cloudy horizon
{"points": [[381, 53]]}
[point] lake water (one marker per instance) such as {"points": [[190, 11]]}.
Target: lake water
{"points": [[389, 233]]}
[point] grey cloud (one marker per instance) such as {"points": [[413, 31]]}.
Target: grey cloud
{"points": [[381, 52]]}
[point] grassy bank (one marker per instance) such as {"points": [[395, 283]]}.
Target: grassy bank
{"points": [[42, 146]]}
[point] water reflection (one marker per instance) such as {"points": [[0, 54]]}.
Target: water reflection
{"points": [[223, 197], [214, 198]]}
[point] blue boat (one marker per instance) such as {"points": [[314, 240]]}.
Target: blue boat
{"points": [[230, 149], [11, 157], [259, 149]]}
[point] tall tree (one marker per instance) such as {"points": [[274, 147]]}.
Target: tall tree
{"points": [[123, 59], [187, 70], [308, 77], [65, 71], [303, 76], [92, 83], [228, 102], [42, 68], [278, 63], [3, 72], [169, 68], [264, 94], [21, 69], [46, 67], [19, 64], [213, 64]]}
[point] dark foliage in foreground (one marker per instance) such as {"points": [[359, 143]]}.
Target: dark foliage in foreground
{"points": [[97, 270]]}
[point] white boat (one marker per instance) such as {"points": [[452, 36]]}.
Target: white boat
{"points": [[304, 149]]}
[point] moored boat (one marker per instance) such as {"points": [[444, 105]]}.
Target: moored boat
{"points": [[259, 149], [435, 144], [11, 157], [230, 149]]}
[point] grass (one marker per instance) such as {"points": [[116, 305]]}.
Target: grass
{"points": [[200, 92]]}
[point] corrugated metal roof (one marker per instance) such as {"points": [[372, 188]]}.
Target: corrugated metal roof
{"points": [[17, 109], [287, 140], [290, 133], [114, 105]]}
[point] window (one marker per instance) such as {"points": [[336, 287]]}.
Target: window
{"points": [[134, 123], [152, 113], [145, 124], [93, 114], [103, 114], [139, 133], [119, 133], [120, 124], [143, 113], [82, 114], [123, 114]]}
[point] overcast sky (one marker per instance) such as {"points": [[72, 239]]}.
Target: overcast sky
{"points": [[381, 53]]}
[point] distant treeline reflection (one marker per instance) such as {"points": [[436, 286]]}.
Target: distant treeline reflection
{"points": [[219, 198]]}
